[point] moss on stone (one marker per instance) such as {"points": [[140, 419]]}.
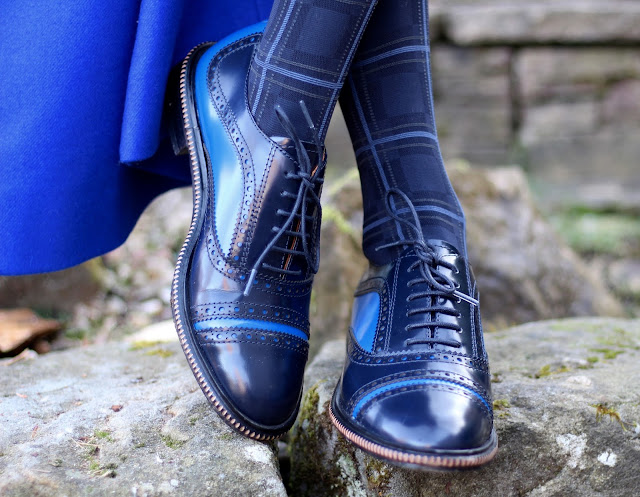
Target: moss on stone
{"points": [[102, 435], [306, 444], [143, 344], [547, 370], [603, 233], [607, 353], [164, 353], [620, 338], [378, 476], [603, 410], [172, 443]]}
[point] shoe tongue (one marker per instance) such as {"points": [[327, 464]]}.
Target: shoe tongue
{"points": [[440, 247], [288, 145]]}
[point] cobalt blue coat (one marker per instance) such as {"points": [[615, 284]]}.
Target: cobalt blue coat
{"points": [[82, 146]]}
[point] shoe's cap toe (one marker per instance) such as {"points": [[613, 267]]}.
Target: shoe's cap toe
{"points": [[427, 417], [261, 379]]}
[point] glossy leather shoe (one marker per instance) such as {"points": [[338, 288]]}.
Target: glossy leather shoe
{"points": [[242, 284], [415, 389]]}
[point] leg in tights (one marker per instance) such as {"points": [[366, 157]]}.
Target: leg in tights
{"points": [[388, 106], [305, 54]]}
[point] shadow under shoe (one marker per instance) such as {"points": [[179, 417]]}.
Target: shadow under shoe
{"points": [[242, 283]]}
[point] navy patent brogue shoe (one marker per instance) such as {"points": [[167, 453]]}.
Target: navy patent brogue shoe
{"points": [[415, 389], [242, 284]]}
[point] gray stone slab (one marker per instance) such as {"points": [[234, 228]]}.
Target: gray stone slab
{"points": [[107, 420], [565, 21], [570, 74]]}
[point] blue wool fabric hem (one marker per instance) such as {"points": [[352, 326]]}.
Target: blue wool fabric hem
{"points": [[83, 149], [388, 106], [305, 54]]}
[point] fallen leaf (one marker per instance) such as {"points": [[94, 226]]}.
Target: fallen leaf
{"points": [[21, 326]]}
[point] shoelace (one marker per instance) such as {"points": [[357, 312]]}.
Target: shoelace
{"points": [[309, 178], [440, 286]]}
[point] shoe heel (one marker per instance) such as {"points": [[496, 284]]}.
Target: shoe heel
{"points": [[173, 110]]}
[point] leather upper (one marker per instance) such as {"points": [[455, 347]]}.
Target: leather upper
{"points": [[416, 379], [255, 339]]}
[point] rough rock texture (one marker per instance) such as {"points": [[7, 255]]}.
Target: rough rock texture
{"points": [[547, 21], [60, 290], [566, 411], [121, 419], [472, 90], [552, 85], [525, 271]]}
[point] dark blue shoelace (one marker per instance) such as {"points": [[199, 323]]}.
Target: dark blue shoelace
{"points": [[310, 179], [439, 287]]}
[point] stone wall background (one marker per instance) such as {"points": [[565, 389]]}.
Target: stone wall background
{"points": [[553, 86]]}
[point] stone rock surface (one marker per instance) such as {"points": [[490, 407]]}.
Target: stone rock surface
{"points": [[472, 89], [566, 412], [60, 290], [546, 21], [525, 272], [125, 420]]}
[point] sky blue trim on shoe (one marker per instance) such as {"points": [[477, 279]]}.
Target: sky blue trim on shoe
{"points": [[364, 319], [226, 170], [251, 324], [409, 383]]}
